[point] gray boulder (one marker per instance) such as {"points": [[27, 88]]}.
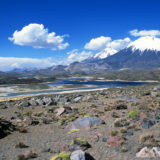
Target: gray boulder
{"points": [[156, 88], [78, 99], [40, 102], [33, 102], [78, 155], [24, 104], [84, 123]]}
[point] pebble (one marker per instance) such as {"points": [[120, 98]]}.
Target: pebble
{"points": [[147, 124], [104, 139]]}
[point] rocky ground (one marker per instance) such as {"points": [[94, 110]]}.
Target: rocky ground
{"points": [[113, 124]]}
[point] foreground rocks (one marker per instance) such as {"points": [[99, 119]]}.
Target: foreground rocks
{"points": [[100, 125], [83, 123], [76, 155], [6, 128], [148, 153]]}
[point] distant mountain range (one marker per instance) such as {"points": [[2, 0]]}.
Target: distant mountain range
{"points": [[143, 53]]}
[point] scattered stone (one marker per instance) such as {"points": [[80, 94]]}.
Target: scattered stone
{"points": [[27, 155], [6, 127], [51, 110], [123, 130], [24, 104], [88, 157], [40, 102], [79, 143], [114, 132], [129, 132], [123, 149], [21, 145], [121, 122], [146, 94], [130, 99], [93, 106], [78, 155], [47, 101], [47, 150], [60, 111], [95, 138], [148, 138], [147, 123], [3, 107], [84, 116], [88, 98], [46, 120], [67, 108], [62, 156], [33, 102], [78, 99], [148, 153], [156, 88], [34, 122], [120, 106], [116, 141], [108, 108], [104, 139], [22, 129], [83, 123], [143, 115], [115, 115]]}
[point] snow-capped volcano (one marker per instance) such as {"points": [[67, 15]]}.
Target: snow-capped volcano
{"points": [[105, 53], [145, 43], [143, 53]]}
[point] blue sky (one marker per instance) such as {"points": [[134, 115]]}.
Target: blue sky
{"points": [[74, 22]]}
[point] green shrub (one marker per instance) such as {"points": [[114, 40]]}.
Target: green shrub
{"points": [[133, 114], [63, 156]]}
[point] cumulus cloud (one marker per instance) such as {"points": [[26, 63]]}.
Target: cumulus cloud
{"points": [[118, 44], [75, 55], [143, 33], [36, 36], [102, 42], [9, 63], [97, 43]]}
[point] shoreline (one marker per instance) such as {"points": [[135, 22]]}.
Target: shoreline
{"points": [[61, 91], [54, 93]]}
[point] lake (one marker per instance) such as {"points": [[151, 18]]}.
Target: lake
{"points": [[74, 84]]}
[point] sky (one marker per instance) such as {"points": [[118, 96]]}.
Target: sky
{"points": [[42, 33]]}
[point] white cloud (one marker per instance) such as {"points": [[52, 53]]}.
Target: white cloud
{"points": [[102, 42], [36, 36], [119, 43], [143, 33], [75, 55], [9, 63], [97, 43]]}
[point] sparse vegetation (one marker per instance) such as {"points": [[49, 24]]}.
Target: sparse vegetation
{"points": [[133, 114]]}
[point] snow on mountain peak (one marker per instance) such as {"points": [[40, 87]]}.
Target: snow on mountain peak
{"points": [[105, 53], [145, 43]]}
